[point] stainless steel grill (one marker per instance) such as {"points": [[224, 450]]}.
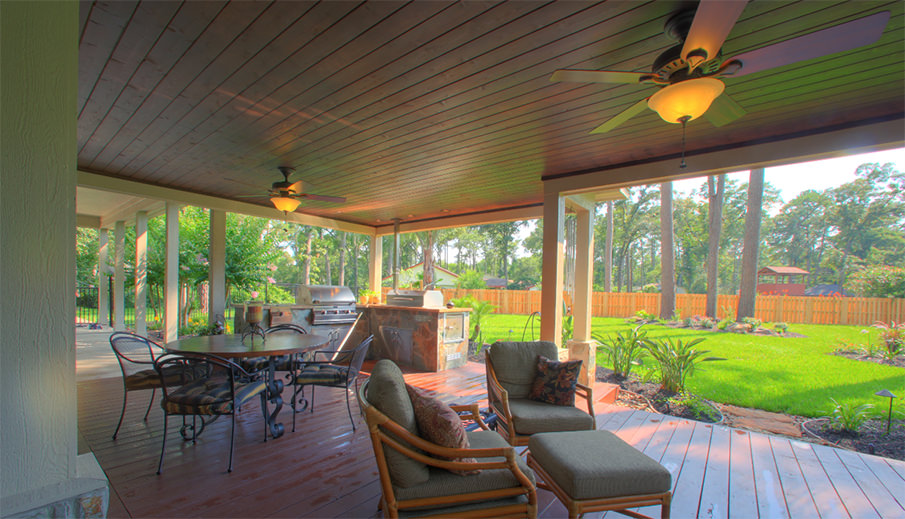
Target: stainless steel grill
{"points": [[415, 298], [329, 304]]}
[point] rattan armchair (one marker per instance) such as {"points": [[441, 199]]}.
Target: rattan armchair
{"points": [[415, 476], [511, 368]]}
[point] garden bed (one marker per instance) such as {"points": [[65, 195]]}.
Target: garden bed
{"points": [[871, 437], [650, 396], [898, 362]]}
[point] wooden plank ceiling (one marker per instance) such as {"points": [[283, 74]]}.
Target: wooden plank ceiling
{"points": [[425, 109]]}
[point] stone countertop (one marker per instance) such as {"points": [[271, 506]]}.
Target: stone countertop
{"points": [[414, 308]]}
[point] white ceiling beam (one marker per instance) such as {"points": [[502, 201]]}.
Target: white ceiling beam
{"points": [[87, 220], [118, 185], [485, 217], [785, 150]]}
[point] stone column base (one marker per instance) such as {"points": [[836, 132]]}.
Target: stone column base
{"points": [[586, 352], [84, 496]]}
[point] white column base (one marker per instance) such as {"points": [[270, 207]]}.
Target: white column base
{"points": [[586, 352], [87, 495]]}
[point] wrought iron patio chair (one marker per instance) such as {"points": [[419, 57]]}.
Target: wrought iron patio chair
{"points": [[340, 369], [207, 386], [282, 363], [136, 355], [511, 369]]}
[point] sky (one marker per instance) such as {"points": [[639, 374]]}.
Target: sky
{"points": [[795, 178]]}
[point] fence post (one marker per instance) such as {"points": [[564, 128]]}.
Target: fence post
{"points": [[843, 311]]}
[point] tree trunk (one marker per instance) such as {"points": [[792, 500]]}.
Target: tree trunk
{"points": [[630, 283], [355, 262], [608, 253], [748, 284], [427, 275], [715, 216], [342, 258], [308, 243], [667, 254]]}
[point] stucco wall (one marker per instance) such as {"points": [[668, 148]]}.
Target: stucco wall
{"points": [[38, 103]]}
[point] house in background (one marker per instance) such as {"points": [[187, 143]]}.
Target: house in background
{"points": [[412, 277], [783, 281], [831, 290]]}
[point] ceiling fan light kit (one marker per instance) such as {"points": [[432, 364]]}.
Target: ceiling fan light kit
{"points": [[685, 100], [285, 204]]}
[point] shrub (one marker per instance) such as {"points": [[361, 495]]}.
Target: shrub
{"points": [[697, 405], [753, 323], [624, 351], [568, 328], [479, 311], [781, 328], [879, 281], [724, 324], [644, 316], [893, 337], [708, 322], [676, 360], [471, 279], [847, 417]]}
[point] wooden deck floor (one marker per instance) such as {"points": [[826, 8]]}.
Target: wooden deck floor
{"points": [[324, 469]]}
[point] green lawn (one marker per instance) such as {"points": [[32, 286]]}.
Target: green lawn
{"points": [[781, 374]]}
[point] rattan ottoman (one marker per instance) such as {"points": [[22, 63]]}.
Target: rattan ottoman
{"points": [[591, 471]]}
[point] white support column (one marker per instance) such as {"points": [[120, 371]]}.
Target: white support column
{"points": [[217, 266], [119, 277], [171, 283], [582, 347], [103, 278], [375, 264], [141, 273], [552, 269]]}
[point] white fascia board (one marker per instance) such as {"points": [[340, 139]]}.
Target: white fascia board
{"points": [[533, 212], [118, 185]]}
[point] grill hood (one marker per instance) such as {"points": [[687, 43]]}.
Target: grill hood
{"points": [[324, 295]]}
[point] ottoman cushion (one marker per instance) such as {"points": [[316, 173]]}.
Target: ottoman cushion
{"points": [[597, 464]]}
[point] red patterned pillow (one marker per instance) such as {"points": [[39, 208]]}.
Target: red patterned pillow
{"points": [[439, 424], [555, 381]]}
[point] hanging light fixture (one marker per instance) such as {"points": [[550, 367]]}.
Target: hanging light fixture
{"points": [[686, 100], [285, 203]]}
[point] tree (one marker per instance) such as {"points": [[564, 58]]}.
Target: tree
{"points": [[608, 252], [667, 258], [716, 185], [748, 285]]}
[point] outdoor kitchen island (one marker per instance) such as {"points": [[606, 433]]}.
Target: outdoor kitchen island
{"points": [[424, 338]]}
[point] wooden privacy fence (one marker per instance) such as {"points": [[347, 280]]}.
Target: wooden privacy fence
{"points": [[859, 311]]}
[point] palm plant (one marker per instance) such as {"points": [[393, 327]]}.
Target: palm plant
{"points": [[624, 351], [676, 360]]}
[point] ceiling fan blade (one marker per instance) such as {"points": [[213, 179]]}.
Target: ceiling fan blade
{"points": [[847, 36], [723, 111], [598, 76], [621, 117], [712, 23], [262, 195], [322, 198], [295, 188]]}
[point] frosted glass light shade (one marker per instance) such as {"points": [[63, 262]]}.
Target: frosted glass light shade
{"points": [[690, 98], [285, 204]]}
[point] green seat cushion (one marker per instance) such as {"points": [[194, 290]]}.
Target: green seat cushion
{"points": [[210, 396], [597, 464], [252, 364], [515, 364], [444, 483], [531, 416], [386, 392], [323, 374]]}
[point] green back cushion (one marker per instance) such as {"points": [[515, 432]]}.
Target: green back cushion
{"points": [[515, 364], [386, 392]]}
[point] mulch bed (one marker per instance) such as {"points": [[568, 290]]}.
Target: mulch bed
{"points": [[871, 437], [649, 396], [898, 362]]}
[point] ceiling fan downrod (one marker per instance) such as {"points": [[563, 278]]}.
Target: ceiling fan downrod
{"points": [[683, 120]]}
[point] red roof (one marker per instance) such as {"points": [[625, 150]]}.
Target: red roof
{"points": [[782, 270]]}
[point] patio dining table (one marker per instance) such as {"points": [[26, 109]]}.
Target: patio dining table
{"points": [[273, 346]]}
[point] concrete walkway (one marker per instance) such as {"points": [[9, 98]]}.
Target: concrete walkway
{"points": [[93, 356]]}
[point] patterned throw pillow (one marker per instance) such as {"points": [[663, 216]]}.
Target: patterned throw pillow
{"points": [[439, 424], [555, 381]]}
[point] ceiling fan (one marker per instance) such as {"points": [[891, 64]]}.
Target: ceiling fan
{"points": [[287, 196], [687, 73]]}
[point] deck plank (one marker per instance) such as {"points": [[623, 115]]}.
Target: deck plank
{"points": [[325, 469], [770, 500], [715, 492], [742, 488], [825, 497], [891, 479], [856, 502], [794, 486], [873, 488], [687, 493]]}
